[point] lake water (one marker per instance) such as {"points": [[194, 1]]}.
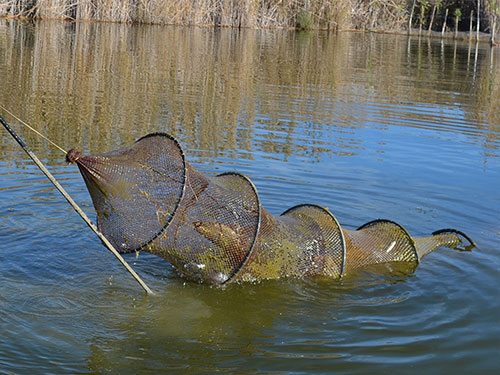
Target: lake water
{"points": [[371, 126]]}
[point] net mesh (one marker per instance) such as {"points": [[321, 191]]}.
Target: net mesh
{"points": [[135, 190], [305, 240], [215, 230], [379, 241]]}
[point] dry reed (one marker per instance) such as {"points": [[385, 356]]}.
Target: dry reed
{"points": [[321, 14]]}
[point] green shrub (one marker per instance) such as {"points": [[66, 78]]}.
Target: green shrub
{"points": [[305, 20]]}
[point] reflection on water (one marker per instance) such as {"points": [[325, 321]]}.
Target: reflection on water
{"points": [[97, 85], [368, 125]]}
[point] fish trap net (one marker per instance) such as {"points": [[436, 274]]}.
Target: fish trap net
{"points": [[215, 230]]}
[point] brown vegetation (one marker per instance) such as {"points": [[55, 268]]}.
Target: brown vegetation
{"points": [[373, 15], [320, 14]]}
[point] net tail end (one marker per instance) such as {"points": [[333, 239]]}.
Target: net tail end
{"points": [[451, 238]]}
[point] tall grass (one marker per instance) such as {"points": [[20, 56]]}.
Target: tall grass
{"points": [[322, 14]]}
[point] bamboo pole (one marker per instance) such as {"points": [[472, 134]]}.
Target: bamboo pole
{"points": [[73, 204]]}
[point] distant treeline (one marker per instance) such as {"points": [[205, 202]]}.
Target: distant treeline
{"points": [[376, 15]]}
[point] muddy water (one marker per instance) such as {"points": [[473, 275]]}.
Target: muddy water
{"points": [[369, 125]]}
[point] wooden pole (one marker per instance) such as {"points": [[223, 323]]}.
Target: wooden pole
{"points": [[73, 204]]}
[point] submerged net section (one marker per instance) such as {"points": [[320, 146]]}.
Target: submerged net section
{"points": [[305, 240], [379, 241], [214, 229]]}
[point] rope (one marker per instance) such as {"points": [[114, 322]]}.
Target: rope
{"points": [[32, 129], [72, 202]]}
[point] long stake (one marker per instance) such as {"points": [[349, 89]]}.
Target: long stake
{"points": [[73, 204]]}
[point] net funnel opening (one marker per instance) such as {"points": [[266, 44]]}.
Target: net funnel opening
{"points": [[215, 230], [135, 190]]}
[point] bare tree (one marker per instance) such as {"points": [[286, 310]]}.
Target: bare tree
{"points": [[411, 16], [478, 18], [444, 22], [458, 14], [495, 12], [424, 4], [436, 5]]}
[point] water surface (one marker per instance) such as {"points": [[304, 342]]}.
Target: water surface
{"points": [[371, 126]]}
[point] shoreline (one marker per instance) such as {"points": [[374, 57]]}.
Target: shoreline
{"points": [[463, 36]]}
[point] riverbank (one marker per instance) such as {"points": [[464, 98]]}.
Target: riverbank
{"points": [[303, 14], [389, 16]]}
